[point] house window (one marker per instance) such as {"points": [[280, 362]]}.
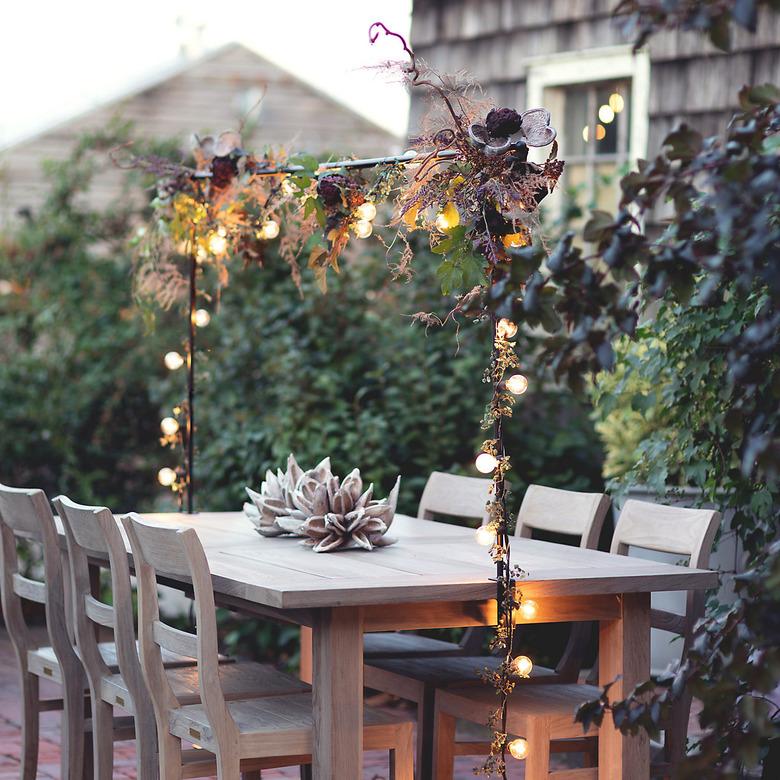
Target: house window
{"points": [[599, 103], [595, 134]]}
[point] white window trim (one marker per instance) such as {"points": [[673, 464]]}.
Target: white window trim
{"points": [[613, 62]]}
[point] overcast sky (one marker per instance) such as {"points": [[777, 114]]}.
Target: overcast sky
{"points": [[60, 58]]}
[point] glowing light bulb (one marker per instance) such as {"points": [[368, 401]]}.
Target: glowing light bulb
{"points": [[201, 255], [485, 462], [506, 329], [517, 384], [363, 228], [515, 240], [485, 536], [6, 288], [601, 132], [366, 210], [616, 102], [518, 748], [606, 114], [585, 133], [288, 188], [269, 229], [173, 360], [201, 318], [447, 218], [528, 609], [169, 425], [522, 666], [217, 243], [166, 477]]}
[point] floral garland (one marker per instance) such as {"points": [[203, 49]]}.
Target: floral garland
{"points": [[470, 187]]}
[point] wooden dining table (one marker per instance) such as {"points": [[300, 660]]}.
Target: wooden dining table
{"points": [[434, 576]]}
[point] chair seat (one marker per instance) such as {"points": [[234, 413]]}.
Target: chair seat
{"points": [[441, 672], [400, 645], [556, 704], [43, 661], [279, 725], [240, 680]]}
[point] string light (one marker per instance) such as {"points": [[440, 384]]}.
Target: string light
{"points": [[447, 218], [606, 114], [363, 228], [522, 666], [201, 318], [516, 240], [169, 425], [485, 462], [485, 536], [288, 188], [217, 244], [201, 255], [6, 288], [166, 477], [269, 229], [173, 360], [366, 210], [518, 748], [506, 329], [517, 384], [616, 102], [529, 609]]}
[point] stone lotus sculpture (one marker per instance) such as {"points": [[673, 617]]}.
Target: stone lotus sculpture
{"points": [[344, 516], [331, 514]]}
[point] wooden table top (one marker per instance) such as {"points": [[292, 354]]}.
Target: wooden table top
{"points": [[429, 562]]}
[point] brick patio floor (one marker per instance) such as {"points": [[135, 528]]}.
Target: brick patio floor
{"points": [[375, 763]]}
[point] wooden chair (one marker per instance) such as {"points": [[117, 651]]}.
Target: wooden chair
{"points": [[247, 734], [93, 532], [566, 512], [25, 516], [444, 494], [544, 714]]}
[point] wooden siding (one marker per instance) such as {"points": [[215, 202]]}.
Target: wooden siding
{"points": [[210, 95], [494, 40]]}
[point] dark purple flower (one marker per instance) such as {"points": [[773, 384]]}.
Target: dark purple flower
{"points": [[502, 122]]}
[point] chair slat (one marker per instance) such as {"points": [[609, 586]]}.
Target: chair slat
{"points": [[668, 621], [32, 590], [98, 612], [452, 494], [175, 640]]}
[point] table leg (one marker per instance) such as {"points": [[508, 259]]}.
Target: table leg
{"points": [[338, 694], [624, 653]]}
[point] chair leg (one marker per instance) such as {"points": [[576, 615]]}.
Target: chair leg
{"points": [[103, 739], [147, 757], [30, 725], [306, 772], [170, 757], [256, 775], [443, 746], [72, 728], [402, 755], [228, 765], [425, 716], [537, 764]]}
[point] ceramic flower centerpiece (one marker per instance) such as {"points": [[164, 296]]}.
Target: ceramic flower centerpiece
{"points": [[332, 514]]}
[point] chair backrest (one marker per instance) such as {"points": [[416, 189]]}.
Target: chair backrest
{"points": [[177, 552], [25, 515], [92, 531], [563, 512], [451, 494], [675, 531], [574, 514]]}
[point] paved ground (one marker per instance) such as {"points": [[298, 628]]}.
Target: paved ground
{"points": [[124, 752]]}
